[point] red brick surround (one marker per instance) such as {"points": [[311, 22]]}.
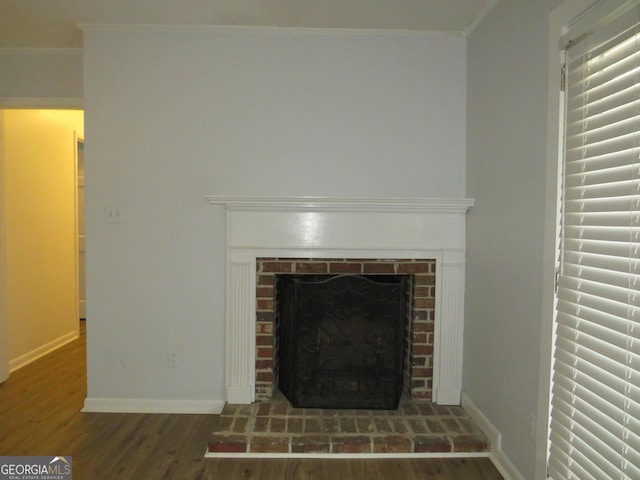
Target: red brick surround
{"points": [[419, 371]]}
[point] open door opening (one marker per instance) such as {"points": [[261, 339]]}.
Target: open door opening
{"points": [[39, 246]]}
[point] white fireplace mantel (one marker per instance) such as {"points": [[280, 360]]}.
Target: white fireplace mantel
{"points": [[330, 227]]}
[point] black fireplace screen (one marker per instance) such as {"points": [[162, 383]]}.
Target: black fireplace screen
{"points": [[341, 340]]}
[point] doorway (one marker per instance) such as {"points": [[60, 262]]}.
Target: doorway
{"points": [[40, 241]]}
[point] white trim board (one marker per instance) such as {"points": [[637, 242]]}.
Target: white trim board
{"points": [[500, 460], [41, 351], [148, 405], [71, 103], [350, 456]]}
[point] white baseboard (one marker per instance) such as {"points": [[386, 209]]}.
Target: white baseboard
{"points": [[145, 405], [448, 395], [41, 351], [240, 394], [504, 465]]}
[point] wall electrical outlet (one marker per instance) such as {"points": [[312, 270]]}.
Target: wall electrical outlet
{"points": [[172, 360]]}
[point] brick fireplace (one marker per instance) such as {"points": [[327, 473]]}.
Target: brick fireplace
{"points": [[418, 354], [377, 231]]}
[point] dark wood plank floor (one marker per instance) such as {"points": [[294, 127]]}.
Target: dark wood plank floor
{"points": [[40, 415]]}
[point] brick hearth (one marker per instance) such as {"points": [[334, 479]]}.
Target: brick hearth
{"points": [[275, 427]]}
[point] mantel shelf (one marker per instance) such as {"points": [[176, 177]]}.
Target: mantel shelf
{"points": [[347, 204]]}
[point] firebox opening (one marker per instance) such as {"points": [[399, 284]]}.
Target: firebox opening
{"points": [[420, 314], [342, 340]]}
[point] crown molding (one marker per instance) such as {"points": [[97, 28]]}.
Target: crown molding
{"points": [[255, 29], [479, 19]]}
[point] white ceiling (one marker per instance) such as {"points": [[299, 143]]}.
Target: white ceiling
{"points": [[53, 23]]}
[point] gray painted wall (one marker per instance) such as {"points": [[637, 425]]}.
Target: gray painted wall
{"points": [[174, 115], [54, 76], [507, 173]]}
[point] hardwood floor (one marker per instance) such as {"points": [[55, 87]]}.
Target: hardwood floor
{"points": [[40, 415]]}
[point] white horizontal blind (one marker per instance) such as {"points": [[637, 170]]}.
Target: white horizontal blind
{"points": [[595, 404]]}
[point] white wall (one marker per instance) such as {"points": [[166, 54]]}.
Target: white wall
{"points": [[174, 115], [40, 78], [508, 282], [39, 219]]}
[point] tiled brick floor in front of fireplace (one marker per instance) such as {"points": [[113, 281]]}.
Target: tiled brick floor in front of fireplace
{"points": [[275, 427]]}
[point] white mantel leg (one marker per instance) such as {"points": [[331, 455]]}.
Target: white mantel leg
{"points": [[240, 331], [449, 323]]}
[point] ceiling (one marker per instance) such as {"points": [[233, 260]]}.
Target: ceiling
{"points": [[53, 23]]}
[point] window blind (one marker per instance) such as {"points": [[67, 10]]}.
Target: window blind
{"points": [[595, 397]]}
